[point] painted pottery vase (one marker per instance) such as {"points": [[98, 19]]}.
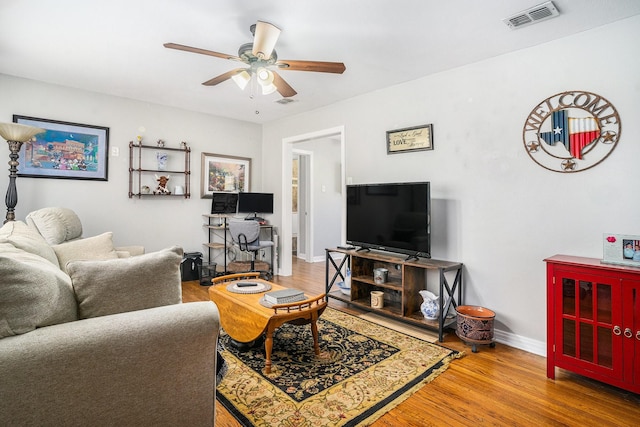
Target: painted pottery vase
{"points": [[475, 324], [429, 306]]}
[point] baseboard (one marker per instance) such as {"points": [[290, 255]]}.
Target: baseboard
{"points": [[520, 342]]}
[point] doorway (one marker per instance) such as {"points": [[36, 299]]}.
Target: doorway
{"points": [[289, 145], [302, 197]]}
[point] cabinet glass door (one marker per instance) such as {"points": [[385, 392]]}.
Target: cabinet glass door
{"points": [[586, 333], [631, 330]]}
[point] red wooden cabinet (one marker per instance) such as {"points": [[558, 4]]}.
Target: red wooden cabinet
{"points": [[593, 320]]}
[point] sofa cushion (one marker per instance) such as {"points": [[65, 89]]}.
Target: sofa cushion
{"points": [[33, 292], [92, 248], [56, 225], [21, 236], [127, 284]]}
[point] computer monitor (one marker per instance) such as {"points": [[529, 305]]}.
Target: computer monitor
{"points": [[255, 203], [224, 203]]}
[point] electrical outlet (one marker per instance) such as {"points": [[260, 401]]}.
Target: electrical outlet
{"points": [[115, 151]]}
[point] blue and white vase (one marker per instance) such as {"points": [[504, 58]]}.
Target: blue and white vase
{"points": [[162, 160], [429, 306]]}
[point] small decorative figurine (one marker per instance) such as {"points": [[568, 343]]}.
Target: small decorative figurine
{"points": [[139, 138], [162, 187], [183, 145], [160, 143]]}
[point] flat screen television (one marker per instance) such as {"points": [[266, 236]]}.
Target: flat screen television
{"points": [[390, 217], [224, 203], [255, 203]]}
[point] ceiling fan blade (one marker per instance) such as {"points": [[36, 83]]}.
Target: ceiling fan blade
{"points": [[201, 51], [266, 36], [283, 87], [223, 77], [318, 66]]}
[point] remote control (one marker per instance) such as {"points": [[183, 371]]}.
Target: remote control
{"points": [[246, 285], [347, 248]]}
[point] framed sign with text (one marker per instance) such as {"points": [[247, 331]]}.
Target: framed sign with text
{"points": [[416, 138]]}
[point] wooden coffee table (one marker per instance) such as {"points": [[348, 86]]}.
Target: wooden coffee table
{"points": [[244, 319]]}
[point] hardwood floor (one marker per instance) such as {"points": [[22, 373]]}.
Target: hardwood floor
{"points": [[496, 386]]}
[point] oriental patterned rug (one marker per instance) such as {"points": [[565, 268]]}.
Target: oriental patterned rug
{"points": [[364, 370]]}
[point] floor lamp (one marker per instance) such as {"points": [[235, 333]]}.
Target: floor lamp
{"points": [[15, 134]]}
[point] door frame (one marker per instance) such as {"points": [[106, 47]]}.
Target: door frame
{"points": [[305, 184], [287, 156]]}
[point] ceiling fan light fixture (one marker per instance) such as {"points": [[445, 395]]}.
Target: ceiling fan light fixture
{"points": [[268, 89], [242, 79], [266, 36], [265, 77]]}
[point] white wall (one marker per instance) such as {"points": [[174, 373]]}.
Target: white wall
{"points": [[493, 208], [104, 206], [496, 210]]}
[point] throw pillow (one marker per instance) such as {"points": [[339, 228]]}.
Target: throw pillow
{"points": [[127, 284], [92, 248], [56, 225], [21, 236], [33, 292]]}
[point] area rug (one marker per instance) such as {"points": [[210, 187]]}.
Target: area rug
{"points": [[414, 331], [364, 370]]}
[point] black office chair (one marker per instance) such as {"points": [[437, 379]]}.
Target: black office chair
{"points": [[246, 235]]}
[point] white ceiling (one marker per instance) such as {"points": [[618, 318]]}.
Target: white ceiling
{"points": [[115, 46]]}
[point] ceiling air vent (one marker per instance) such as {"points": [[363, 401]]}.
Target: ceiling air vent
{"points": [[284, 101], [541, 12]]}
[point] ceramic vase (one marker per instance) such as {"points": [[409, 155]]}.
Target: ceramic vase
{"points": [[162, 161], [429, 306]]}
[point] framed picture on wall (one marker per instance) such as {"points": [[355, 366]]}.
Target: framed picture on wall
{"points": [[417, 138], [221, 173], [66, 150]]}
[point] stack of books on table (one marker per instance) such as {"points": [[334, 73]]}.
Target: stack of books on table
{"points": [[284, 296]]}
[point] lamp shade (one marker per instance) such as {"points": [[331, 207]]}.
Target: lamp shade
{"points": [[242, 79], [267, 89], [265, 77], [18, 132], [266, 36]]}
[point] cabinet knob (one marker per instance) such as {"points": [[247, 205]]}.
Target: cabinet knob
{"points": [[628, 333], [617, 330], [638, 335]]}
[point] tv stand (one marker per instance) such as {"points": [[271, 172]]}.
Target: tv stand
{"points": [[407, 277]]}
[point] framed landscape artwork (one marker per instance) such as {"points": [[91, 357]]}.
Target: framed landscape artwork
{"points": [[222, 173], [65, 150]]}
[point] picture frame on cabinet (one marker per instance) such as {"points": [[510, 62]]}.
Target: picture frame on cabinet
{"points": [[223, 173], [621, 249], [65, 150]]}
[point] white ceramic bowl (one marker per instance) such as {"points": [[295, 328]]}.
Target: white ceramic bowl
{"points": [[344, 289]]}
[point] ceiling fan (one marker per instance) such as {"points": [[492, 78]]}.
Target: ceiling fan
{"points": [[261, 59]]}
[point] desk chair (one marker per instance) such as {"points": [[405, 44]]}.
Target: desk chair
{"points": [[246, 235]]}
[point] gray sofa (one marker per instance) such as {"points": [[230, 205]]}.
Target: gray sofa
{"points": [[93, 337]]}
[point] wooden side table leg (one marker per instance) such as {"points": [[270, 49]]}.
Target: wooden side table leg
{"points": [[314, 332], [268, 348]]}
